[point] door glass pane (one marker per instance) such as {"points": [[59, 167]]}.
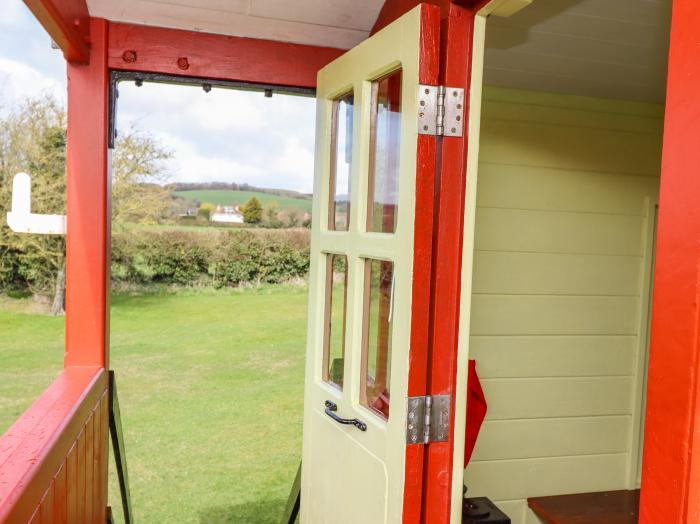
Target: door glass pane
{"points": [[341, 159], [385, 122], [376, 350], [334, 337]]}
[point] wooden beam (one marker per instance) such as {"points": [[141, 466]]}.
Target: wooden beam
{"points": [[205, 55], [68, 23], [671, 465]]}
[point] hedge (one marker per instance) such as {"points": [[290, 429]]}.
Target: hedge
{"points": [[209, 257]]}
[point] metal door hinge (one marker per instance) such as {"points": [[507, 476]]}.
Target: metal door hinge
{"points": [[428, 419], [440, 110]]}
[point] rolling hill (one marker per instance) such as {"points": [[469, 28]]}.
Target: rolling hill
{"points": [[228, 197]]}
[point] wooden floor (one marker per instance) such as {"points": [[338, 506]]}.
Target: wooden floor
{"points": [[606, 507]]}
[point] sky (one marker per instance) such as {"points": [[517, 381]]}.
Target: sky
{"points": [[220, 136]]}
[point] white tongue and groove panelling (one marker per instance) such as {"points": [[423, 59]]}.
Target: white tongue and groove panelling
{"points": [[331, 23], [611, 49], [565, 203]]}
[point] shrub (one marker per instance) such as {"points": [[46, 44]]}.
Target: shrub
{"points": [[215, 257]]}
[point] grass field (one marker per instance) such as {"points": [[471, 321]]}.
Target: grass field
{"points": [[211, 392], [232, 198]]}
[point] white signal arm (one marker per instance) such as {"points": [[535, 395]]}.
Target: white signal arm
{"points": [[22, 220]]}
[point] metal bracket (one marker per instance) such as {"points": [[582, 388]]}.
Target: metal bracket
{"points": [[440, 110], [428, 419], [140, 77]]}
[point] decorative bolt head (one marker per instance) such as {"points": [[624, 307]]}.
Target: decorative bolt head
{"points": [[183, 63], [129, 57]]}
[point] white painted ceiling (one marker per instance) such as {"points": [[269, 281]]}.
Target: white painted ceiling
{"points": [[609, 48], [333, 23]]}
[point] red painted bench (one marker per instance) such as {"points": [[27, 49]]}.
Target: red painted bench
{"points": [[605, 507]]}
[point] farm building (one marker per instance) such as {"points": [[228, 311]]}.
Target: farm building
{"points": [[508, 190], [227, 214]]}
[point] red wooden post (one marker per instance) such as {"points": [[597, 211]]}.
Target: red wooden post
{"points": [[671, 467], [88, 208]]}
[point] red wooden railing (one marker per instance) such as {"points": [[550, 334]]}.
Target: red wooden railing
{"points": [[53, 460]]}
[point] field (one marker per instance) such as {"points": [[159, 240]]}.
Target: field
{"points": [[232, 198], [211, 392]]}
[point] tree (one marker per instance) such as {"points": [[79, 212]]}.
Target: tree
{"points": [[139, 193], [252, 211], [33, 140], [293, 217], [206, 210], [272, 215]]}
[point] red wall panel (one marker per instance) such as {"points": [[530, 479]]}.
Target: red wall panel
{"points": [[53, 459]]}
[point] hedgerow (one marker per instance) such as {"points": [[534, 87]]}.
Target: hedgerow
{"points": [[209, 257]]}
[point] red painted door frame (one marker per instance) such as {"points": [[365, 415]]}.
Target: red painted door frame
{"points": [[455, 71], [671, 464], [450, 185], [422, 263]]}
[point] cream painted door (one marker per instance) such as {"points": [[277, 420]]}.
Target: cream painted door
{"points": [[370, 276]]}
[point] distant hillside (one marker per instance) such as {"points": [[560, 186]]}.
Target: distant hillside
{"points": [[233, 186], [228, 197]]}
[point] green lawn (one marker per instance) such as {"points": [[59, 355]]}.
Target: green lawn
{"points": [[211, 392], [231, 198]]}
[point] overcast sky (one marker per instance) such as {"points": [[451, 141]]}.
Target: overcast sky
{"points": [[228, 136]]}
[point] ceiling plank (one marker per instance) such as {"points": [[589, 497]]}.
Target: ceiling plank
{"points": [[217, 57], [68, 23], [198, 15]]}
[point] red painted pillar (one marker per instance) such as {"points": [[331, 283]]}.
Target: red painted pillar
{"points": [[671, 467], [88, 207], [88, 246]]}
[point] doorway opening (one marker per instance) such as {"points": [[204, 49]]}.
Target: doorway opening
{"points": [[556, 312], [211, 196]]}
